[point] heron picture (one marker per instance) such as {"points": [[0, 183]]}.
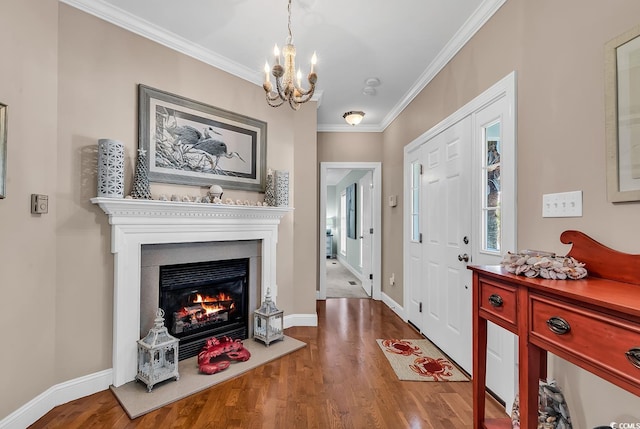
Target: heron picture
{"points": [[189, 142]]}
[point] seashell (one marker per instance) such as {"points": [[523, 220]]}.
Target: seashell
{"points": [[229, 201], [217, 200], [522, 268], [553, 275], [531, 273], [560, 275], [247, 203], [522, 260], [186, 199], [544, 273], [197, 199], [162, 197], [533, 260], [510, 269], [239, 202], [174, 197]]}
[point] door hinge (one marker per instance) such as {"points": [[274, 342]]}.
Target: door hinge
{"points": [[370, 230], [421, 169], [370, 276], [420, 308], [420, 238]]}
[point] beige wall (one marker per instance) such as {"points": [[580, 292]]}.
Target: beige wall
{"points": [[69, 84], [28, 85], [349, 147], [557, 50]]}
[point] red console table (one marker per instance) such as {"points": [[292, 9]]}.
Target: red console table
{"points": [[593, 322]]}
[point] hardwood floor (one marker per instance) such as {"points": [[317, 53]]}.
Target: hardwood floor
{"points": [[340, 380]]}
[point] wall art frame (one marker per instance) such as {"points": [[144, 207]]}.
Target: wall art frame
{"points": [[3, 150], [622, 116], [192, 143]]}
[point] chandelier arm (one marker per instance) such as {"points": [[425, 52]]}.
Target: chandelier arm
{"points": [[293, 103], [273, 97]]}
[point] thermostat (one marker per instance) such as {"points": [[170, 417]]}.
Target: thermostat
{"points": [[39, 204]]}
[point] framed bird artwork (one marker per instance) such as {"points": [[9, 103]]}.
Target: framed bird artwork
{"points": [[192, 143]]}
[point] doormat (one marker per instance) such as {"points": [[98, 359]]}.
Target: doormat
{"points": [[136, 401], [419, 360]]}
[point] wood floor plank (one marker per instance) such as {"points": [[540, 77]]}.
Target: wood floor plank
{"points": [[341, 380]]}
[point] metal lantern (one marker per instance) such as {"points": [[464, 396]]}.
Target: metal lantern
{"points": [[157, 354], [268, 321]]}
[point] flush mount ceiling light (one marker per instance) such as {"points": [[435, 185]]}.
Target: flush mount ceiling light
{"points": [[353, 117], [286, 88]]}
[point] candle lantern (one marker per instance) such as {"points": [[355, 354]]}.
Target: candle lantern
{"points": [[268, 321], [157, 354]]}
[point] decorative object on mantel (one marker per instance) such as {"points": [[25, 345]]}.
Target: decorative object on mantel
{"points": [[286, 87], [268, 321], [141, 189], [110, 168], [217, 354], [282, 188], [215, 191], [545, 265], [157, 354], [269, 190]]}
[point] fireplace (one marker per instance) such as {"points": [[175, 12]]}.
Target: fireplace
{"points": [[203, 300], [140, 224]]}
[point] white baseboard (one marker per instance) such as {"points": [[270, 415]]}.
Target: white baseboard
{"points": [[397, 308], [300, 320], [351, 269], [56, 395]]}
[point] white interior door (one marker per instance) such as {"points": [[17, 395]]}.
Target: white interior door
{"points": [[446, 215], [366, 188]]}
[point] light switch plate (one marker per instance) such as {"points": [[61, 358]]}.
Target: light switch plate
{"points": [[39, 204], [564, 204]]}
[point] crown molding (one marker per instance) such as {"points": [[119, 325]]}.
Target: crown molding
{"points": [[480, 17], [134, 24], [346, 128]]}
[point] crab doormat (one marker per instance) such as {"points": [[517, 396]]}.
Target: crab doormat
{"points": [[419, 360]]}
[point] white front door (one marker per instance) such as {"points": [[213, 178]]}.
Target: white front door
{"points": [[366, 232], [446, 211]]}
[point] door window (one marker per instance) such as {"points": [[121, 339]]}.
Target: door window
{"points": [[491, 198], [415, 201]]}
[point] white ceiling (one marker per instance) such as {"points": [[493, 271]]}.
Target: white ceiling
{"points": [[403, 43]]}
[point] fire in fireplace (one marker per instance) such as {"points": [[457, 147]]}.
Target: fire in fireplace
{"points": [[205, 299]]}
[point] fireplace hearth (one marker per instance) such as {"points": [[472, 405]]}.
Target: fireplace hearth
{"points": [[205, 299]]}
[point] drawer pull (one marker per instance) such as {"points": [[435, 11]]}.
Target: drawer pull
{"points": [[558, 325], [495, 300], [633, 355]]}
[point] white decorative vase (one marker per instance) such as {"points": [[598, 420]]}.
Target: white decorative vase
{"points": [[282, 188], [110, 168], [270, 191]]}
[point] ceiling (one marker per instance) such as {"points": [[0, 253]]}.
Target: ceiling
{"points": [[403, 44]]}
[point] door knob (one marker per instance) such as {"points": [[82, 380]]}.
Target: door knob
{"points": [[464, 257]]}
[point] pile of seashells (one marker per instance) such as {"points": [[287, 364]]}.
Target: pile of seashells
{"points": [[547, 267]]}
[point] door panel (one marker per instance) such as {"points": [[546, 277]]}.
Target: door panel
{"points": [[447, 220], [414, 279], [366, 184]]}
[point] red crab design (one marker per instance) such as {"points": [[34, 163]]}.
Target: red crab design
{"points": [[438, 369], [401, 347]]}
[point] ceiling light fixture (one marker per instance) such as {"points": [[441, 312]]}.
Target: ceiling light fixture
{"points": [[353, 117], [286, 88]]}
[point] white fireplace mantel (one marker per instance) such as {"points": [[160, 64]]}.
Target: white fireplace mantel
{"points": [[138, 222]]}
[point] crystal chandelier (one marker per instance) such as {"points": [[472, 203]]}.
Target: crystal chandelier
{"points": [[288, 89]]}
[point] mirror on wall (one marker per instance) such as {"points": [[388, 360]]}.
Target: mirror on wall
{"points": [[622, 106]]}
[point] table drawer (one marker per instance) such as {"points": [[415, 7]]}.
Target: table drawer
{"points": [[603, 342], [499, 301]]}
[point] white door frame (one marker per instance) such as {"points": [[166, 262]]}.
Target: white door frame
{"points": [[376, 202]]}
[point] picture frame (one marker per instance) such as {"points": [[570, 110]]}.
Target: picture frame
{"points": [[351, 192], [192, 143], [622, 124], [3, 150]]}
